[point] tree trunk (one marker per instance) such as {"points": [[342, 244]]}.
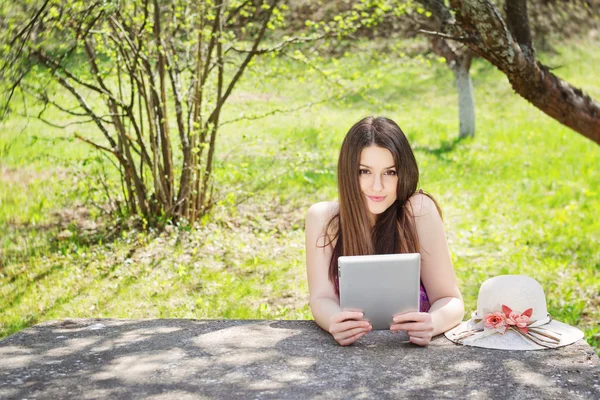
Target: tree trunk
{"points": [[466, 99], [480, 25], [491, 39], [460, 64]]}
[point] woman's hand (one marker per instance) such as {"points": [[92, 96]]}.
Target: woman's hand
{"points": [[346, 327], [418, 325]]}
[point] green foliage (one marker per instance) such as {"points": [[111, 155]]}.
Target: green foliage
{"points": [[521, 197], [152, 77]]}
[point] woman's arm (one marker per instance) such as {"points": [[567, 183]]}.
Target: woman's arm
{"points": [[437, 272], [345, 327], [323, 301], [437, 275], [446, 313]]}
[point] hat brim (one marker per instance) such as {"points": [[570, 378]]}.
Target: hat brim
{"points": [[511, 340]]}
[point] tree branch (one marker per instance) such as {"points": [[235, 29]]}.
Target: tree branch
{"points": [[462, 39], [281, 45], [96, 145], [441, 48], [439, 11], [532, 80], [235, 12], [241, 69], [165, 142], [87, 109], [278, 111], [518, 24]]}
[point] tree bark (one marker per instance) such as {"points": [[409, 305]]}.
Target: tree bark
{"points": [[490, 37], [165, 139], [460, 64], [518, 24], [466, 99]]}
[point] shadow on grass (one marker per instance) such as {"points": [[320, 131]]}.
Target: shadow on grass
{"points": [[16, 296], [32, 319], [57, 237], [446, 146]]}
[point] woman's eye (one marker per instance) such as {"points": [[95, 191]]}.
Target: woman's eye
{"points": [[392, 173], [363, 171]]}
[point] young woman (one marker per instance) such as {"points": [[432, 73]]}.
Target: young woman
{"points": [[380, 212]]}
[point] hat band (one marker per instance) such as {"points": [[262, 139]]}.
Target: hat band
{"points": [[497, 322]]}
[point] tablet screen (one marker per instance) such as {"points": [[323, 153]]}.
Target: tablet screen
{"points": [[380, 286]]}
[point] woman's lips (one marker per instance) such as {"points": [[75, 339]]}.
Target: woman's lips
{"points": [[376, 199]]}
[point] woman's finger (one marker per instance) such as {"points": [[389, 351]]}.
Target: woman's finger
{"points": [[419, 334], [350, 340], [413, 316], [413, 326], [351, 332], [419, 341], [347, 315], [347, 325]]}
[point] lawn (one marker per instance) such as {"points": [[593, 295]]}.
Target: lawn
{"points": [[522, 197]]}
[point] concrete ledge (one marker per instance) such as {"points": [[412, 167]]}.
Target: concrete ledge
{"points": [[185, 359]]}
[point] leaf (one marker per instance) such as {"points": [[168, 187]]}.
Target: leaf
{"points": [[528, 312], [506, 310]]}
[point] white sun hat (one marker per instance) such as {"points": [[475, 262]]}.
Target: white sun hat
{"points": [[511, 315]]}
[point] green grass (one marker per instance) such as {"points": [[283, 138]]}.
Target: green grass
{"points": [[521, 197]]}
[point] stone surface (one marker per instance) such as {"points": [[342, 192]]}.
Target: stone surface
{"points": [[202, 359]]}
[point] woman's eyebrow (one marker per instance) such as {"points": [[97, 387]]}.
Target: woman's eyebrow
{"points": [[366, 166]]}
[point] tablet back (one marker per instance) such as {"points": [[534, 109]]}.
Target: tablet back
{"points": [[380, 285]]}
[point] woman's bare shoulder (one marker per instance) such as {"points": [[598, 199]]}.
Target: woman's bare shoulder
{"points": [[421, 205], [322, 211], [317, 222]]}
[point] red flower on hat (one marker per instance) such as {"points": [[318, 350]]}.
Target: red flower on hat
{"points": [[495, 321], [518, 320]]}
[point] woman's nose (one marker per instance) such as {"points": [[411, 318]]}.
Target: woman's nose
{"points": [[377, 184]]}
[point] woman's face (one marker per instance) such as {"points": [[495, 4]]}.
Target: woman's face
{"points": [[378, 178]]}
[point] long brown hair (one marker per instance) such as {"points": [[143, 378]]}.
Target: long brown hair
{"points": [[394, 230]]}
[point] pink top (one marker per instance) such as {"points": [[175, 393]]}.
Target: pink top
{"points": [[424, 305]]}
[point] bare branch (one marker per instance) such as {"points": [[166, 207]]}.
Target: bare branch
{"points": [[442, 48], [211, 45], [279, 111], [96, 145], [217, 111], [462, 39], [87, 121], [55, 65], [281, 45], [29, 26], [11, 92], [161, 103], [45, 99], [214, 115], [87, 108], [23, 40], [235, 12], [314, 67]]}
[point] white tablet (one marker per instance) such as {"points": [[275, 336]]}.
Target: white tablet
{"points": [[380, 285]]}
